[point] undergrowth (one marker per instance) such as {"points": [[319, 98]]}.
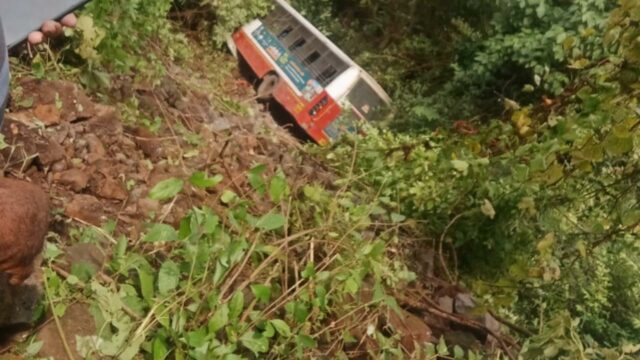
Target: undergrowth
{"points": [[298, 281]]}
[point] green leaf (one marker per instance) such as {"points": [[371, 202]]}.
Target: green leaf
{"points": [[616, 146], [269, 331], [547, 243], [460, 166], [271, 222], [228, 196], [236, 305], [256, 180], [430, 351], [488, 210], [458, 352], [146, 284], [160, 348], [3, 144], [160, 233], [168, 277], [166, 189], [200, 179], [442, 348], [631, 217], [281, 327], [305, 342], [219, 319], [397, 218], [278, 188], [255, 342], [34, 348], [261, 292]]}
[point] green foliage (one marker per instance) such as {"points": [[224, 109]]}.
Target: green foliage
{"points": [[226, 286], [230, 14], [541, 205], [450, 60]]}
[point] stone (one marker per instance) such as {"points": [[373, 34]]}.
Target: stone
{"points": [[86, 208], [464, 304], [149, 144], [59, 166], [446, 303], [48, 114], [109, 188], [221, 124], [95, 145], [148, 206], [76, 179], [76, 322], [50, 152], [413, 330], [106, 124], [85, 254]]}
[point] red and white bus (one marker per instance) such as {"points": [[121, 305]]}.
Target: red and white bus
{"points": [[317, 83]]}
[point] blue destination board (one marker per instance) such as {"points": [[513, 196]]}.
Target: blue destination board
{"points": [[290, 64]]}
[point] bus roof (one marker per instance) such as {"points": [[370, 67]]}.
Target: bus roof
{"points": [[335, 49]]}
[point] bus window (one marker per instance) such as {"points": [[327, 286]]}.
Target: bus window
{"points": [[297, 44], [365, 101], [284, 33], [327, 75], [311, 58]]}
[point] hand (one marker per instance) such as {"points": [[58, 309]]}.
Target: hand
{"points": [[52, 29]]}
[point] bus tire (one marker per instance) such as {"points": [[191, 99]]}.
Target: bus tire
{"points": [[267, 86]]}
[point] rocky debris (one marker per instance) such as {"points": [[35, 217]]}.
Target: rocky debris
{"points": [[110, 188], [413, 329], [86, 208], [50, 153], [220, 124], [148, 207], [106, 124], [59, 97], [48, 114], [76, 179], [77, 322], [96, 149], [85, 254], [149, 144]]}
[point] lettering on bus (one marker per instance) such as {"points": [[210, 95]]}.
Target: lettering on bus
{"points": [[299, 75]]}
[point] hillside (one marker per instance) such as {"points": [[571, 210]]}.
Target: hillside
{"points": [[493, 213]]}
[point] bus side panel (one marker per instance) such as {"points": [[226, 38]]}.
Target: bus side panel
{"points": [[252, 54], [299, 109]]}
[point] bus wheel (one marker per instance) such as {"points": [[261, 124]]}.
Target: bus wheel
{"points": [[267, 86]]}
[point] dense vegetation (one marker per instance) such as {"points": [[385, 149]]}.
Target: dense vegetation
{"points": [[536, 186], [513, 145]]}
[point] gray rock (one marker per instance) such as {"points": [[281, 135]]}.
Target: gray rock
{"points": [[221, 124], [464, 304]]}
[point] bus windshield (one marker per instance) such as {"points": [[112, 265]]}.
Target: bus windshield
{"points": [[365, 101]]}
